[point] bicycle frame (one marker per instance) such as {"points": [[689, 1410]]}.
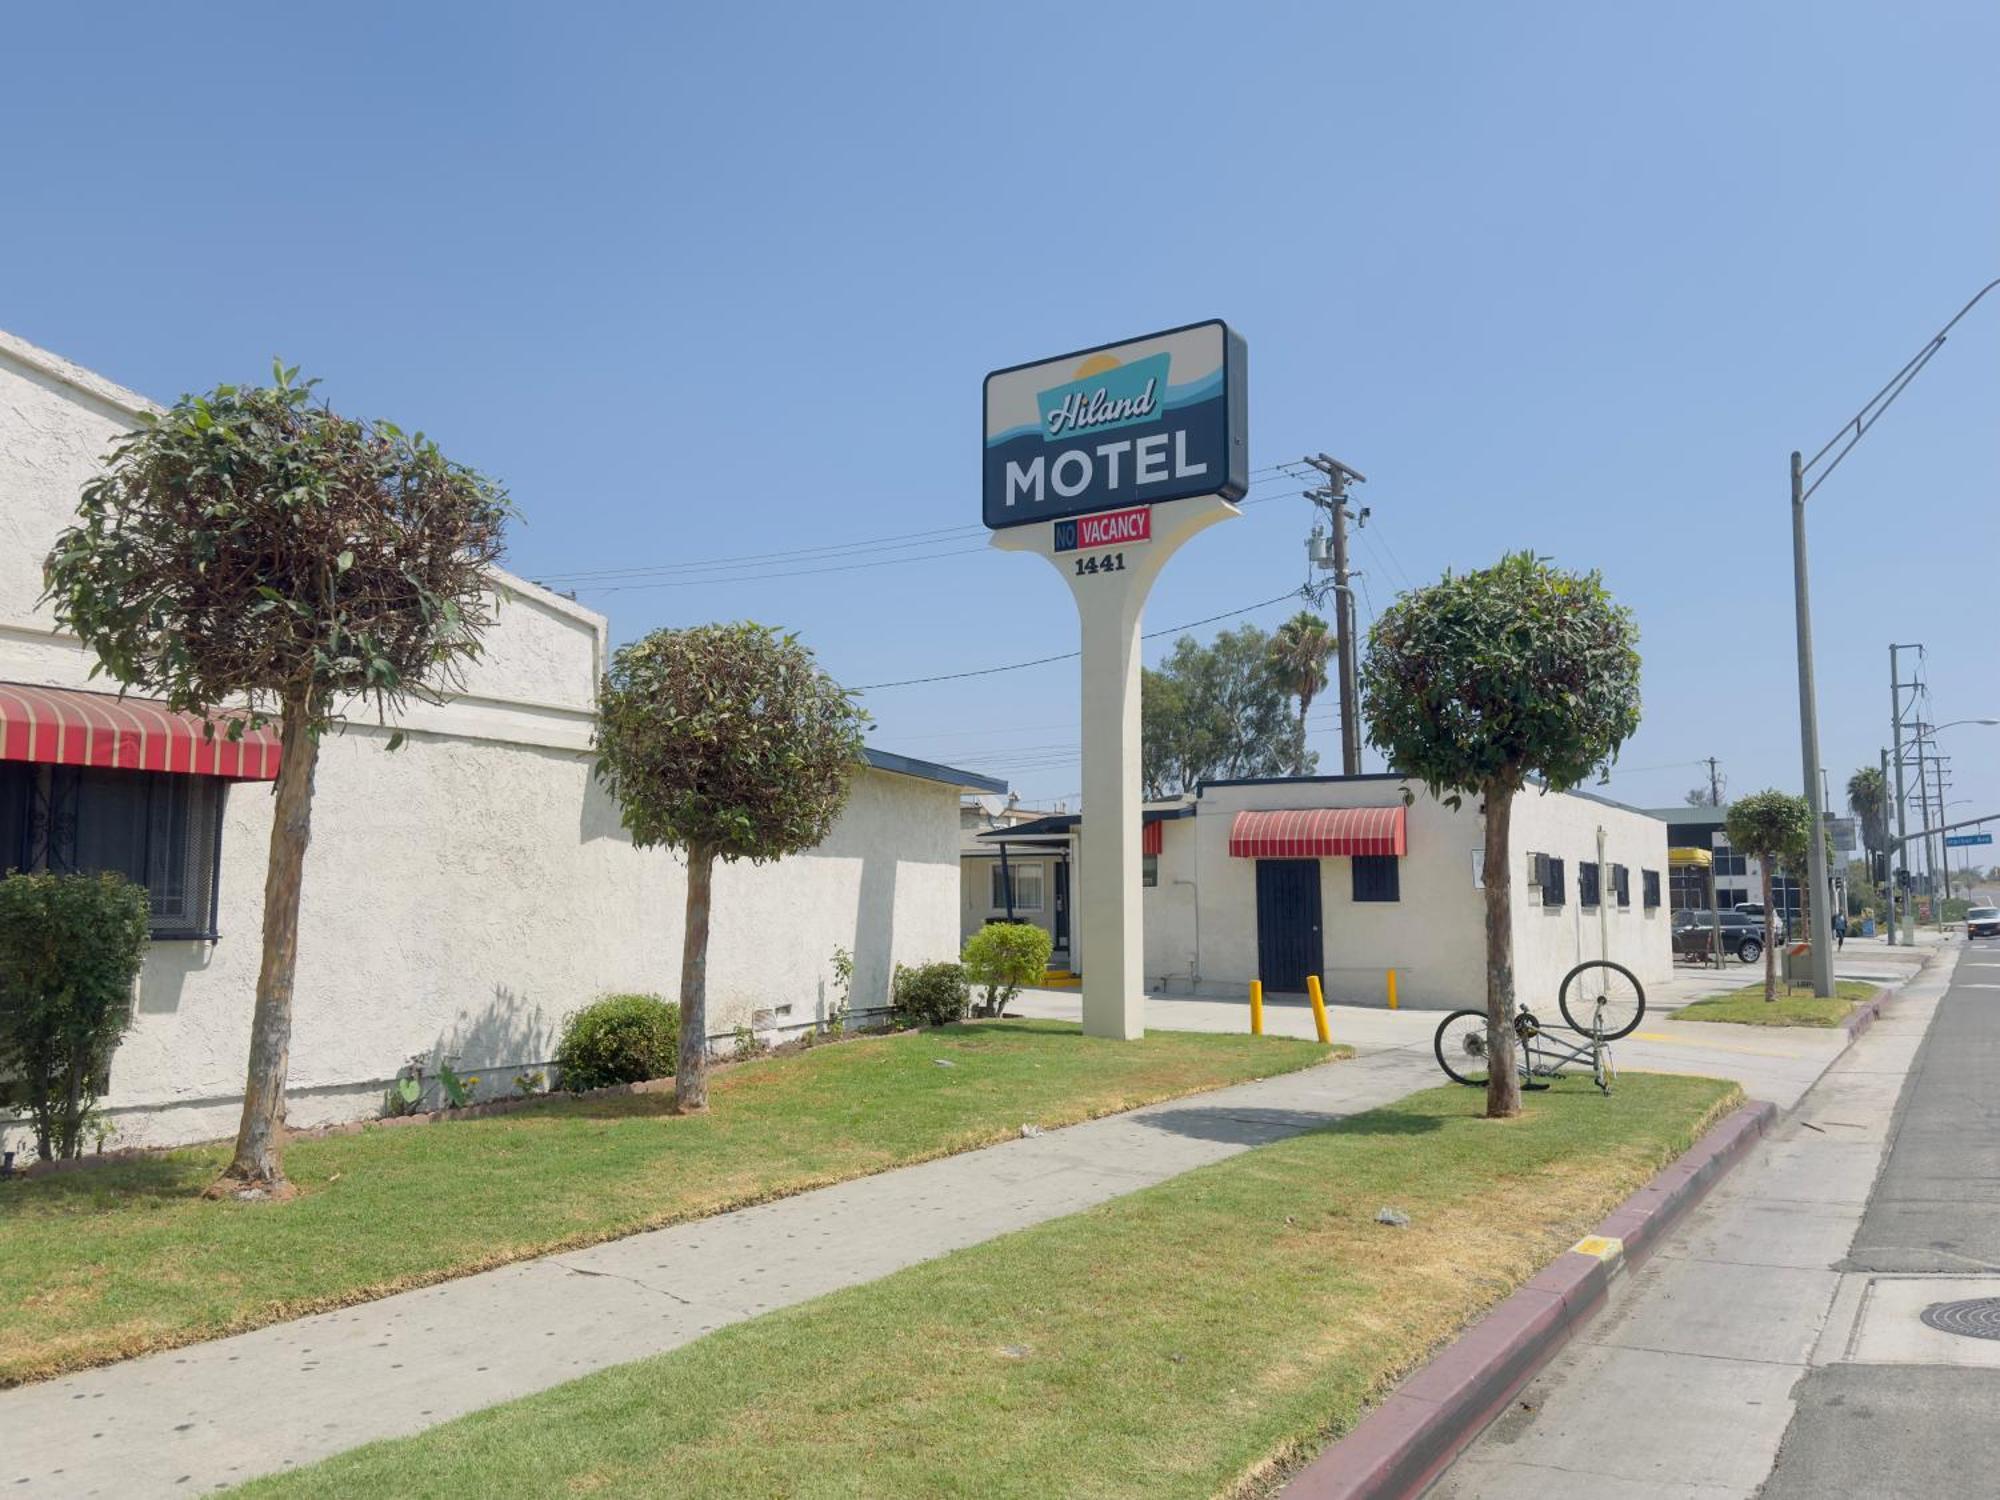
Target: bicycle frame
{"points": [[1546, 1057]]}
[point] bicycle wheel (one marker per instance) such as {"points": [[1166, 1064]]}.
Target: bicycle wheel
{"points": [[1624, 997], [1461, 1047]]}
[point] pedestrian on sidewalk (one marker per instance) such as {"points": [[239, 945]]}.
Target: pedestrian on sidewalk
{"points": [[1839, 930]]}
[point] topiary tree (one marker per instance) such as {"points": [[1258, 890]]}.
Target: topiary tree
{"points": [[1771, 827], [70, 948], [1300, 650], [726, 742], [1003, 956], [1481, 681], [251, 545]]}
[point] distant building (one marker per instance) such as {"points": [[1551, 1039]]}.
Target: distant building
{"points": [[1278, 878]]}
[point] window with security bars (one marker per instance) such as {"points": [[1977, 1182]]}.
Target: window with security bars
{"points": [[159, 830], [1377, 877], [1588, 882], [1554, 889], [1621, 885], [1649, 889]]}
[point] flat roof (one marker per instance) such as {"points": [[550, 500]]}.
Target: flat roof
{"points": [[930, 770]]}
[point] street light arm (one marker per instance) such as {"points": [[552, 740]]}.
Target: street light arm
{"points": [[1856, 426]]}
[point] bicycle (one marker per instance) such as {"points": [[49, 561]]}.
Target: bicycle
{"points": [[1600, 999]]}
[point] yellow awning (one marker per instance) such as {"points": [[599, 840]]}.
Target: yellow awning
{"points": [[1679, 858]]}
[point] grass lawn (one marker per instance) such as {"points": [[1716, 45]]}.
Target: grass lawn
{"points": [[111, 1261], [1748, 1007], [1182, 1341]]}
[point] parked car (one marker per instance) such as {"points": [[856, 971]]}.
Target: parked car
{"points": [[1694, 934], [1781, 922], [1982, 921]]}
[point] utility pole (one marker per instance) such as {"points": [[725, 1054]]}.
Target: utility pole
{"points": [[1888, 867], [1902, 811], [1332, 498], [1714, 784]]}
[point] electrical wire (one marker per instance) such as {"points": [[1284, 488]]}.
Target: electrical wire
{"points": [[1040, 661]]}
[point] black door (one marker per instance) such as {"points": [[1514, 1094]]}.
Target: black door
{"points": [[1061, 934], [1288, 946]]}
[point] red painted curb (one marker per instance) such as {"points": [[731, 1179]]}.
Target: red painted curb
{"points": [[1413, 1436]]}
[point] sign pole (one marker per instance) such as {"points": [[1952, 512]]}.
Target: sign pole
{"points": [[1110, 586], [1105, 461]]}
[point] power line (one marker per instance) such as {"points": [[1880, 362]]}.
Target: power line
{"points": [[1041, 661]]}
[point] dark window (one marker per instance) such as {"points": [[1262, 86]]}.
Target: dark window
{"points": [[1376, 877], [1588, 882], [1649, 889], [1149, 870], [1555, 889], [162, 831], [1621, 884]]}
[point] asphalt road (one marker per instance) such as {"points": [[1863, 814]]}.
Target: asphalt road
{"points": [[1892, 1407]]}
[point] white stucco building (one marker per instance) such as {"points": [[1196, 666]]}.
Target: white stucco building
{"points": [[461, 895], [1278, 878]]}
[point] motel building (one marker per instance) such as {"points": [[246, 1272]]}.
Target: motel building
{"points": [[462, 895], [1278, 878]]}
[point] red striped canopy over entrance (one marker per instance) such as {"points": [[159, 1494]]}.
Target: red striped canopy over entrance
{"points": [[62, 727], [1318, 833]]}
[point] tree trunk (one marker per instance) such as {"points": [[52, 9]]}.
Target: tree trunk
{"points": [[1770, 948], [256, 1167], [1299, 761], [1503, 1078], [691, 1078]]}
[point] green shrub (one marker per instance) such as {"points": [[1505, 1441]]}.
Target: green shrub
{"points": [[70, 948], [929, 995], [619, 1039], [1002, 957]]}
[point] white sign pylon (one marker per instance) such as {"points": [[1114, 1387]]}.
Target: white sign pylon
{"points": [[1110, 582]]}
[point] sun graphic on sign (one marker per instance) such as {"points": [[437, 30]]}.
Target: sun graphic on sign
{"points": [[1097, 364]]}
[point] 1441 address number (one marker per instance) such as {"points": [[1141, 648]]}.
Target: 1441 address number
{"points": [[1112, 563]]}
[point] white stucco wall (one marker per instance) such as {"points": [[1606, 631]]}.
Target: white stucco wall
{"points": [[1205, 938], [466, 892]]}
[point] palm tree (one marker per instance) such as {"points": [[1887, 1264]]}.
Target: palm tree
{"points": [[1300, 650], [1868, 800]]}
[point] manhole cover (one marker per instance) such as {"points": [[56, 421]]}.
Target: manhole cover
{"points": [[1978, 1318]]}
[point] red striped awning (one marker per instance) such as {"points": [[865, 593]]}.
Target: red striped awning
{"points": [[1318, 833], [62, 727]]}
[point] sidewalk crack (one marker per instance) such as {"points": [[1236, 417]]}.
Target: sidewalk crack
{"points": [[643, 1286]]}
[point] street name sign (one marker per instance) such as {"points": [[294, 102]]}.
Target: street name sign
{"points": [[1966, 840], [1105, 462]]}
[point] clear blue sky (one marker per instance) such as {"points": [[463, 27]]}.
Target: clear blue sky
{"points": [[700, 282]]}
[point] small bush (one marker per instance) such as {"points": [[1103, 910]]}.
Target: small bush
{"points": [[70, 948], [619, 1039], [1003, 957], [929, 995]]}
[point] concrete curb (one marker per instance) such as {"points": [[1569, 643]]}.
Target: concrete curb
{"points": [[1413, 1436]]}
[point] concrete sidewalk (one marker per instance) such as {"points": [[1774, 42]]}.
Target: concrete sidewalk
{"points": [[222, 1412], [1683, 1387]]}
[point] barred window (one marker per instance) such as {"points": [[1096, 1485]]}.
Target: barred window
{"points": [[159, 830], [1588, 883], [1621, 885], [1649, 889], [1377, 877]]}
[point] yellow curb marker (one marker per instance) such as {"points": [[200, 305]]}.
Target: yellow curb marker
{"points": [[1602, 1246]]}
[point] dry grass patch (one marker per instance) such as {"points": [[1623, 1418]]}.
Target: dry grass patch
{"points": [[1183, 1342]]}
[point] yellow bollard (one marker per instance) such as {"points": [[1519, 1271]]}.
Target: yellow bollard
{"points": [[1256, 1007], [1392, 989], [1319, 1008]]}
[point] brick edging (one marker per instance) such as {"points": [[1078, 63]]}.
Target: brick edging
{"points": [[1410, 1439]]}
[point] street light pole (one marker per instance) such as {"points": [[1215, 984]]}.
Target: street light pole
{"points": [[1819, 900], [1850, 433]]}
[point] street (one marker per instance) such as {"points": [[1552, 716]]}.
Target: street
{"points": [[1776, 1343]]}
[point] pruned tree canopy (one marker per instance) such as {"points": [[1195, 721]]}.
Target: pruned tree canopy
{"points": [[727, 737], [251, 543], [1485, 679]]}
